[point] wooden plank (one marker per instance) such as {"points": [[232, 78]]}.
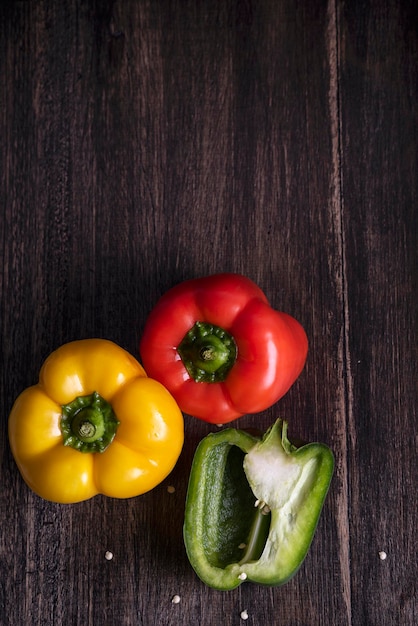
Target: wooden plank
{"points": [[379, 55]]}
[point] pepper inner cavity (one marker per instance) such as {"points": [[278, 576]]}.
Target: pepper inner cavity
{"points": [[241, 532]]}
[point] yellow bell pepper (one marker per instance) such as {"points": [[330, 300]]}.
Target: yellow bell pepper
{"points": [[95, 423]]}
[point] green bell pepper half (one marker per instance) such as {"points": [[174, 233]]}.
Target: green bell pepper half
{"points": [[253, 505]]}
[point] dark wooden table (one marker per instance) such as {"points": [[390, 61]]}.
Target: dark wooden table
{"points": [[147, 142]]}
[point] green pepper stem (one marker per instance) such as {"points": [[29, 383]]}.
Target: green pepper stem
{"points": [[258, 534], [88, 423], [208, 352]]}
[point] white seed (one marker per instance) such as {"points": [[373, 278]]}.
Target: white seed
{"points": [[175, 599], [171, 489], [382, 555], [108, 555], [244, 614], [243, 576], [242, 546]]}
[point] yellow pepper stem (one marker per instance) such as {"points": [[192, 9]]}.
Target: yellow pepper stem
{"points": [[88, 423]]}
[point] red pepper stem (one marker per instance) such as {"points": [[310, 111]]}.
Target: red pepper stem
{"points": [[208, 352], [258, 534]]}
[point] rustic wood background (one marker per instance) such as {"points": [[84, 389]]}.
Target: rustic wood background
{"points": [[146, 142]]}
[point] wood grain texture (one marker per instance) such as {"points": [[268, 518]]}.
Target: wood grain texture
{"points": [[144, 143]]}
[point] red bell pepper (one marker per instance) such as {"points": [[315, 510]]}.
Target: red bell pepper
{"points": [[217, 345]]}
